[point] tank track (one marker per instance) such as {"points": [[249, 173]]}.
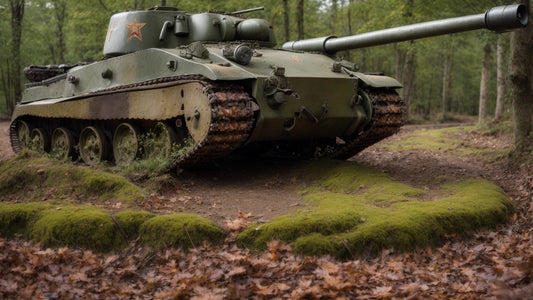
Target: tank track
{"points": [[15, 143], [389, 115], [231, 123]]}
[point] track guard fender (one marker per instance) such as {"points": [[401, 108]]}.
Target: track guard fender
{"points": [[378, 81]]}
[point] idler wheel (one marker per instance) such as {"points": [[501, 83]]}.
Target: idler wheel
{"points": [[125, 144], [159, 141], [40, 141], [62, 143], [94, 147], [23, 134]]}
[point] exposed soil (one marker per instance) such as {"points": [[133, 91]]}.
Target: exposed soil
{"points": [[5, 146], [264, 189]]}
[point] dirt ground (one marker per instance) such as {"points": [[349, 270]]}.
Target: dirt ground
{"points": [[5, 147], [265, 188]]}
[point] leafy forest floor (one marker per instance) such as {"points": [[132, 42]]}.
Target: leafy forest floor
{"points": [[490, 264]]}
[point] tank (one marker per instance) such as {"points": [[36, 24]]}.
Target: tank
{"points": [[198, 87]]}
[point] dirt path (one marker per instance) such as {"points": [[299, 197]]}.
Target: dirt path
{"points": [[5, 146]]}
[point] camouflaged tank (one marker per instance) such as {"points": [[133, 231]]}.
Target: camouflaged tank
{"points": [[196, 87]]}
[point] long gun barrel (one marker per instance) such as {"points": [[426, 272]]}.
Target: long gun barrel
{"points": [[499, 19]]}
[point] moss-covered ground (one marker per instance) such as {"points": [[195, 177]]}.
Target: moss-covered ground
{"points": [[40, 178], [60, 207], [352, 210], [359, 211], [59, 223], [447, 140]]}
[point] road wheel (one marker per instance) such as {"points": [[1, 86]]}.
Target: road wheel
{"points": [[125, 144], [93, 144]]}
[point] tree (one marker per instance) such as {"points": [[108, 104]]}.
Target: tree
{"points": [[60, 12], [286, 20], [520, 81], [300, 19], [501, 74], [17, 14], [484, 84], [447, 64]]}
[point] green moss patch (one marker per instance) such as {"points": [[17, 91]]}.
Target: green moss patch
{"points": [[358, 211], [18, 218], [130, 221], [427, 139], [64, 224], [181, 230], [40, 177], [446, 139], [86, 227]]}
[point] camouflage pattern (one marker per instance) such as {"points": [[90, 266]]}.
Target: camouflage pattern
{"points": [[213, 78]]}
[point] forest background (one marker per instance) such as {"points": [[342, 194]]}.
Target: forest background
{"points": [[460, 74]]}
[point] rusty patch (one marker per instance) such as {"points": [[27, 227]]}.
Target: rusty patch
{"points": [[110, 106]]}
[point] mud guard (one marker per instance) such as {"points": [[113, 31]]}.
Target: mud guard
{"points": [[378, 81]]}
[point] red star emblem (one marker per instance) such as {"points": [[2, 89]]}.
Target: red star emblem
{"points": [[135, 30]]}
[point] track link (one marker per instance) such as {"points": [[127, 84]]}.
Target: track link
{"points": [[15, 143]]}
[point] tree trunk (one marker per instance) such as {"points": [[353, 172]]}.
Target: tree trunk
{"points": [[399, 59], [286, 19], [300, 19], [6, 86], [520, 80], [333, 18], [60, 7], [484, 85], [501, 74], [405, 70], [17, 13], [350, 31], [409, 76], [446, 84]]}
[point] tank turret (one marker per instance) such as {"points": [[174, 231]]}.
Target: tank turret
{"points": [[197, 87], [166, 27]]}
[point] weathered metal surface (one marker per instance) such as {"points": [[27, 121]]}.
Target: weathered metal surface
{"points": [[224, 124]]}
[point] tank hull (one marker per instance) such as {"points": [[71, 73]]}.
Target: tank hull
{"points": [[321, 107]]}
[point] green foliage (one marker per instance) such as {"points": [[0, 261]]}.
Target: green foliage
{"points": [[359, 211], [156, 159], [181, 230]]}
